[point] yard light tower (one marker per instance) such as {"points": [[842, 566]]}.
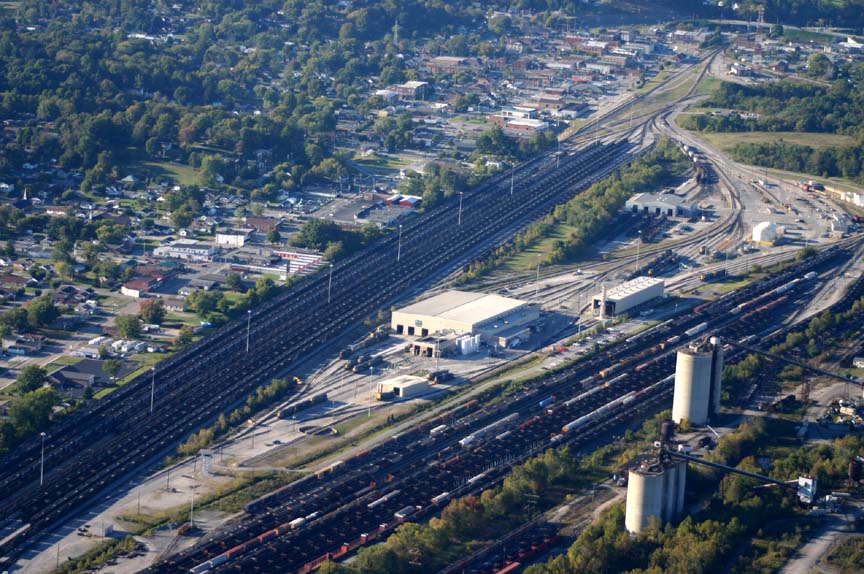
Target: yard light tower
{"points": [[329, 283], [42, 463], [248, 327], [399, 245]]}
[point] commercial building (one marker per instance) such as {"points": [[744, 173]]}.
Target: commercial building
{"points": [[446, 64], [628, 295], [186, 251], [402, 387], [233, 238], [660, 204], [655, 491], [698, 375], [300, 260], [498, 320], [411, 90]]}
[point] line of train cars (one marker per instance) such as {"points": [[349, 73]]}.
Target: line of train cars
{"points": [[609, 407], [252, 544]]}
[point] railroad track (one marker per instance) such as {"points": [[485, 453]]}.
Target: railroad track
{"points": [[118, 436], [404, 457]]}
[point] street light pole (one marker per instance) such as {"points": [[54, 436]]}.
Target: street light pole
{"points": [[152, 388], [248, 327], [461, 194], [329, 283], [399, 246], [42, 464], [537, 282]]}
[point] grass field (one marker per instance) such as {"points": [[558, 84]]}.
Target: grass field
{"points": [[726, 141], [182, 174], [527, 260], [708, 86], [658, 79]]}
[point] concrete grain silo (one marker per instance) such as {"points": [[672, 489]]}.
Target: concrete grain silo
{"points": [[645, 495], [655, 490], [698, 374]]}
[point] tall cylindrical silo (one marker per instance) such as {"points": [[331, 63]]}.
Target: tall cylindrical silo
{"points": [[693, 377], [645, 497]]}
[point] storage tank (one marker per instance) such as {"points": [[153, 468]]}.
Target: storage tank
{"points": [[698, 377], [765, 232], [644, 497]]}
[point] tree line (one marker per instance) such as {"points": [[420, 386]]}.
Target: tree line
{"points": [[589, 213]]}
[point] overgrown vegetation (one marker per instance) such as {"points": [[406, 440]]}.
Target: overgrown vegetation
{"points": [[788, 106], [822, 334], [589, 213], [848, 556], [100, 556], [264, 396]]}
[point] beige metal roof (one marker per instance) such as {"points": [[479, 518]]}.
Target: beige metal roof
{"points": [[462, 306], [629, 288]]}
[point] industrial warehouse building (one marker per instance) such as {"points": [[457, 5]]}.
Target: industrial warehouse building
{"points": [[402, 387], [498, 320], [659, 204], [626, 296]]}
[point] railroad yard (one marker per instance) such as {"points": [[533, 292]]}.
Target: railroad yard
{"points": [[380, 426]]}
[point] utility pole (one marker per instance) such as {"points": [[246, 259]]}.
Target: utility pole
{"points": [[638, 244], [399, 245], [42, 464], [537, 282], [248, 327], [461, 195], [152, 388]]}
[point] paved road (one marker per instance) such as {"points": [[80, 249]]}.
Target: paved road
{"points": [[836, 528]]}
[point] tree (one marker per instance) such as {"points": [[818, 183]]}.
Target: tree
{"points": [[112, 367], [211, 166], [317, 234], [128, 325], [63, 269], [32, 411], [273, 236], [233, 281], [16, 319], [42, 311], [185, 336], [31, 378], [153, 311], [820, 66]]}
